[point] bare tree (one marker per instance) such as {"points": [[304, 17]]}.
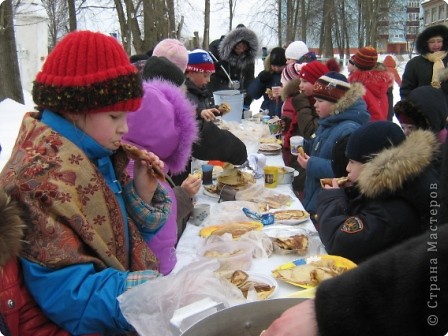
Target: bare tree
{"points": [[10, 85], [206, 39], [58, 19]]}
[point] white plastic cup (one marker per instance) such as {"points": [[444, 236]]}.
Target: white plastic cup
{"points": [[200, 212], [294, 143]]}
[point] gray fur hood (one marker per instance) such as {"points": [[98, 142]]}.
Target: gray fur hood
{"points": [[392, 167], [233, 38], [11, 229]]}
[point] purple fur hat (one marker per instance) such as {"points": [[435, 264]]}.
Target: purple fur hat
{"points": [[164, 124]]}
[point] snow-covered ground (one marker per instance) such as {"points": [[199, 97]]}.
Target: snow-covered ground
{"points": [[11, 113]]}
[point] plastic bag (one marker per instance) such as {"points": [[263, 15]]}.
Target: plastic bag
{"points": [[261, 242], [266, 199], [150, 306], [228, 212]]}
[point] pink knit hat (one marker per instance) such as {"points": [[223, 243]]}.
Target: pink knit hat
{"points": [[174, 50], [290, 72]]}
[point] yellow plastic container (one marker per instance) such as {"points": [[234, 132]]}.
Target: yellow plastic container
{"points": [[270, 176]]}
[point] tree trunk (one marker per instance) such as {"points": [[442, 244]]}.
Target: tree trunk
{"points": [[124, 30], [279, 23], [10, 84], [327, 25], [72, 15], [206, 39], [304, 19]]}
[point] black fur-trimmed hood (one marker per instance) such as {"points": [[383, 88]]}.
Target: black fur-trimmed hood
{"points": [[392, 167], [11, 229], [421, 44], [233, 38]]}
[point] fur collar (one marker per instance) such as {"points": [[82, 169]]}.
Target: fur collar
{"points": [[355, 93], [392, 167], [291, 88], [233, 38], [11, 229]]}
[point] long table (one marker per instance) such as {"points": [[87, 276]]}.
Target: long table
{"points": [[190, 241]]}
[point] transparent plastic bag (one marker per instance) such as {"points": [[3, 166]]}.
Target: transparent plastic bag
{"points": [[150, 306], [265, 199]]}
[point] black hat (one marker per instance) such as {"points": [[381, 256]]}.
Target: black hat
{"points": [[277, 56], [425, 107], [372, 138], [161, 67]]}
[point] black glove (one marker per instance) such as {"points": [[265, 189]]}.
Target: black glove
{"points": [[265, 77]]}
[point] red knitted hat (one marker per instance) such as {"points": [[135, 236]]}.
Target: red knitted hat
{"points": [[365, 58], [312, 71], [88, 72]]}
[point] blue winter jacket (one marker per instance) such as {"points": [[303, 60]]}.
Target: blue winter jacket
{"points": [[350, 113]]}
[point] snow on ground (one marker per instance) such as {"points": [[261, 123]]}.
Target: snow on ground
{"points": [[11, 113]]}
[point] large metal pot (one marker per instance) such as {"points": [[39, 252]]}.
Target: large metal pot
{"points": [[248, 319]]}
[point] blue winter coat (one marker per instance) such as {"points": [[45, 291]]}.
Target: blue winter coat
{"points": [[350, 112]]}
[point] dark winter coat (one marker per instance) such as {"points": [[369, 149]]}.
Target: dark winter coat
{"points": [[376, 82], [351, 114], [19, 310], [418, 70], [214, 143], [257, 89], [240, 68], [394, 194], [398, 292]]}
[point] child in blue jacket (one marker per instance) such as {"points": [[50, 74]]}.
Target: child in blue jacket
{"points": [[341, 110]]}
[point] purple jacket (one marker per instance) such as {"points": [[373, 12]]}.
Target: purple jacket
{"points": [[165, 125]]}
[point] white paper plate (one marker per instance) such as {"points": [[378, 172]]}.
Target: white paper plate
{"points": [[267, 279], [281, 231], [289, 221], [208, 193]]}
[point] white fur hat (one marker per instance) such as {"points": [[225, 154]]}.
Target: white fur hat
{"points": [[296, 50]]}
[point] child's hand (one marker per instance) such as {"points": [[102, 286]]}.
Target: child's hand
{"points": [[302, 160], [285, 123], [145, 182], [210, 114], [191, 185]]}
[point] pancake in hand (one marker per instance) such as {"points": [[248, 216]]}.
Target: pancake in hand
{"points": [[329, 181], [137, 154], [224, 108]]}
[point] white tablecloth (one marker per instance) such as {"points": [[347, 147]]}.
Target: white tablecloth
{"points": [[191, 242]]}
